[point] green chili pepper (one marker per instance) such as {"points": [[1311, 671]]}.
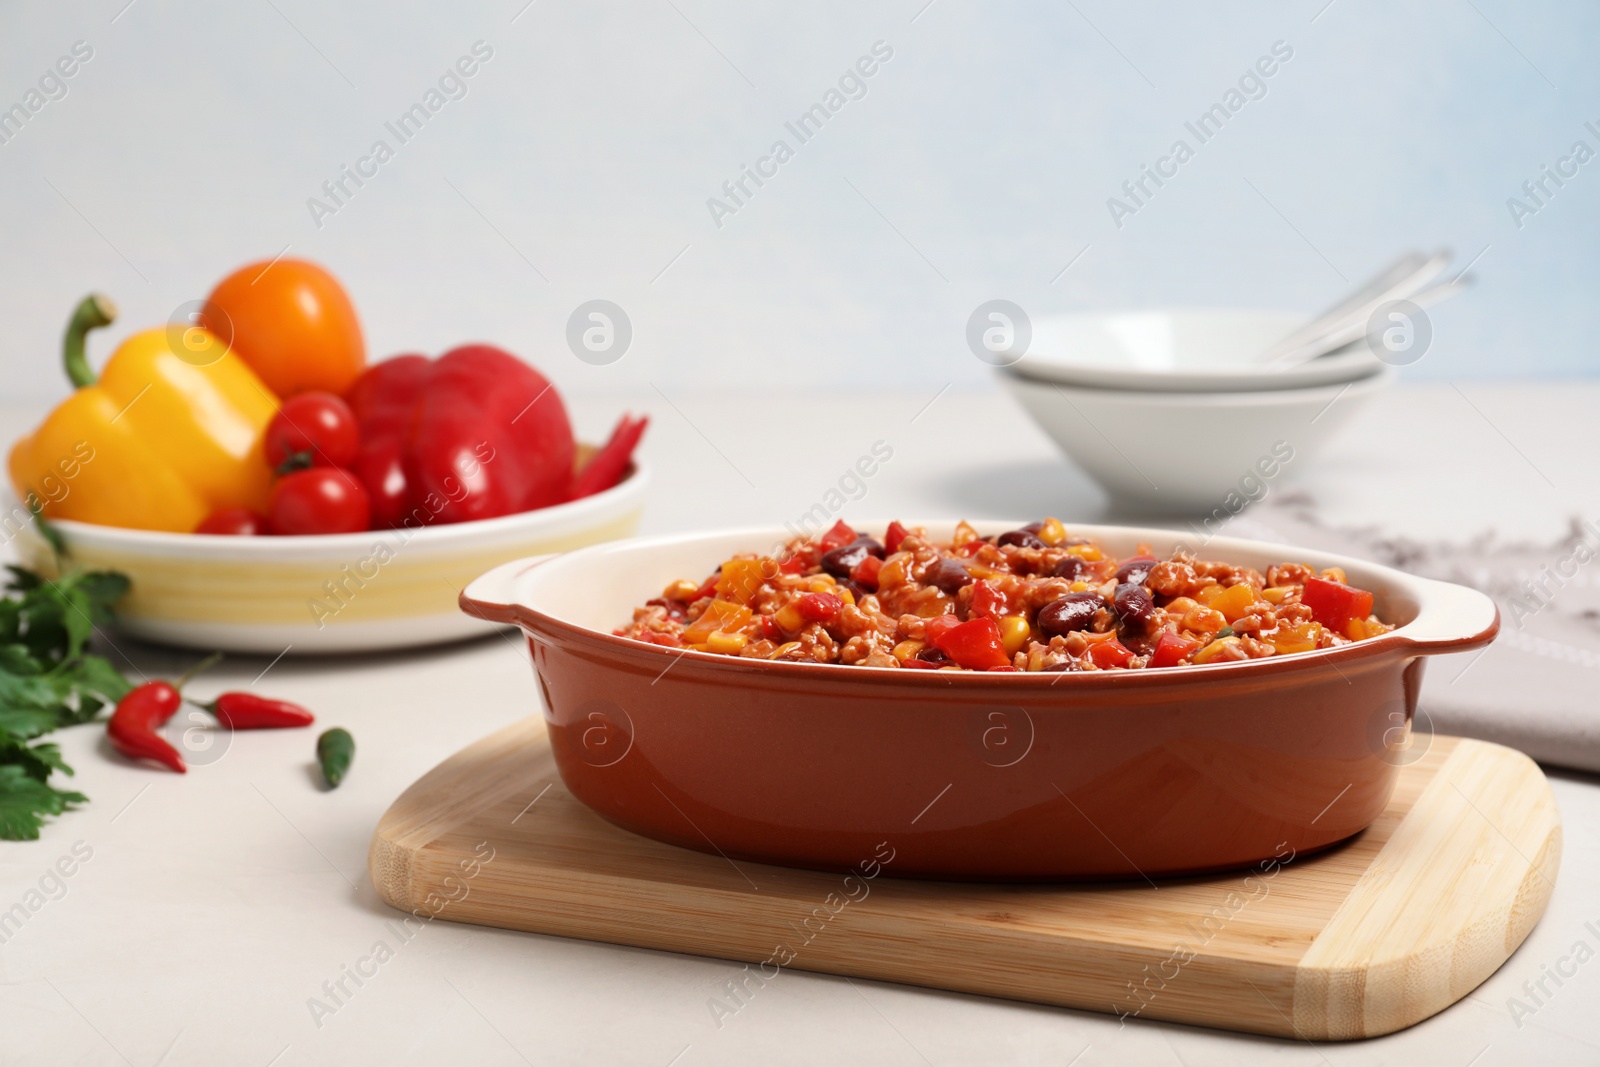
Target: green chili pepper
{"points": [[335, 749]]}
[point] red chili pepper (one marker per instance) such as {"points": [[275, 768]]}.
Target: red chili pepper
{"points": [[865, 573], [1334, 604], [607, 466], [1172, 649], [139, 714], [247, 711], [838, 535], [894, 535], [1109, 653], [484, 434], [974, 644]]}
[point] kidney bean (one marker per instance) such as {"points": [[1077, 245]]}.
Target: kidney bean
{"points": [[1136, 570], [932, 655], [840, 561], [949, 575], [1132, 604], [1020, 538], [1071, 568], [1075, 611]]}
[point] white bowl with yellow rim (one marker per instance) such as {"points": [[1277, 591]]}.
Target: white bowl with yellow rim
{"points": [[382, 589]]}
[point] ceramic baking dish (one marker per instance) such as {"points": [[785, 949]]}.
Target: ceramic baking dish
{"points": [[971, 775]]}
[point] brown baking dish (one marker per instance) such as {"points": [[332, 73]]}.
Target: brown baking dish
{"points": [[972, 775]]}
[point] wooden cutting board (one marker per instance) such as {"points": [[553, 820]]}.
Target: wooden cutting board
{"points": [[1370, 937]]}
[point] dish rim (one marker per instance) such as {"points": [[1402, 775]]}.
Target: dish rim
{"points": [[1433, 598], [231, 547]]}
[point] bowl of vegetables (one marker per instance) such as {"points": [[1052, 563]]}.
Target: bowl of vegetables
{"points": [[265, 489]]}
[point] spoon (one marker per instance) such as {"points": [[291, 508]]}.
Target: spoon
{"points": [[1339, 325]]}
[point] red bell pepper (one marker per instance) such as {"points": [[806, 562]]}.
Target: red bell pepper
{"points": [[838, 535], [987, 600], [974, 644], [474, 434], [865, 573], [1172, 649], [1109, 653], [607, 466], [894, 535], [1334, 604]]}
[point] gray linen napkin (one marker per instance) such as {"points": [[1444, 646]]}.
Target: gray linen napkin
{"points": [[1535, 688]]}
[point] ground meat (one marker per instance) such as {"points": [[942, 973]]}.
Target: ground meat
{"points": [[973, 603]]}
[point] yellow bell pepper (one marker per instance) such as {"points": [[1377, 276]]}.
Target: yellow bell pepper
{"points": [[171, 431]]}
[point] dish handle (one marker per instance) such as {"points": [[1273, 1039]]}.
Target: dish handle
{"points": [[492, 596], [1454, 618]]}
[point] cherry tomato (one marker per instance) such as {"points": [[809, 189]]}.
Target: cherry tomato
{"points": [[240, 522], [292, 322], [380, 467], [321, 500], [312, 430]]}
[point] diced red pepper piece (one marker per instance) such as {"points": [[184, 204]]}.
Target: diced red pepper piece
{"points": [[971, 547], [919, 664], [770, 628], [974, 644], [709, 588], [894, 535], [792, 564], [1109, 653], [937, 625], [1172, 649], [1334, 604], [987, 600], [837, 536], [865, 573], [819, 607]]}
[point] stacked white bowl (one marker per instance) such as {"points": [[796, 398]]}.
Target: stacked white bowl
{"points": [[1178, 411]]}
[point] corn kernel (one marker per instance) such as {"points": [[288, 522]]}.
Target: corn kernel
{"points": [[1014, 633], [906, 649], [1334, 574], [726, 644], [822, 583], [1276, 594], [1208, 593], [1214, 649], [1078, 587], [845, 595], [682, 590], [789, 618], [1051, 532], [1356, 629], [784, 649], [1087, 553]]}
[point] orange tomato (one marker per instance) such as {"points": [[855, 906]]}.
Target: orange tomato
{"points": [[292, 322]]}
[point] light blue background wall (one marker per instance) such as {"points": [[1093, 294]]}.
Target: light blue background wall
{"points": [[990, 142]]}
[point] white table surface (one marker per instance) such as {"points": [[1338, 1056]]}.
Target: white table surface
{"points": [[217, 904]]}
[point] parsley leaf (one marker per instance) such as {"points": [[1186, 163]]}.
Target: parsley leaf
{"points": [[24, 801], [47, 681]]}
